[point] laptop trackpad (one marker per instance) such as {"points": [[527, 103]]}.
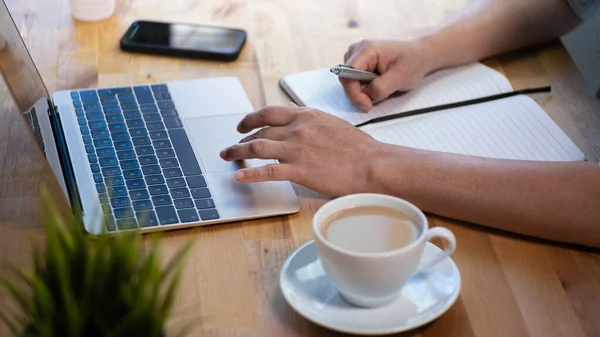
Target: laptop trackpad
{"points": [[210, 135]]}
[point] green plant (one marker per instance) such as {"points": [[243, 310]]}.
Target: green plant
{"points": [[92, 286]]}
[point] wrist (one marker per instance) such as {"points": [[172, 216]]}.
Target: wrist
{"points": [[392, 170], [432, 51]]}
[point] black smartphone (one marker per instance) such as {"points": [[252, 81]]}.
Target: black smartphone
{"points": [[186, 40]]}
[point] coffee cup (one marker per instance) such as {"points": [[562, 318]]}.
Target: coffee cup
{"points": [[368, 248]]}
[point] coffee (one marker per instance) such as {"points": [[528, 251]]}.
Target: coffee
{"points": [[370, 229]]}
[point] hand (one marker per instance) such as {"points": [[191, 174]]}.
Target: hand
{"points": [[402, 65], [314, 149]]}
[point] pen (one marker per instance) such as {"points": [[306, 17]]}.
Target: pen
{"points": [[345, 71]]}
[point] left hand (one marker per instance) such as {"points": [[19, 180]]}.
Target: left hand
{"points": [[314, 149]]}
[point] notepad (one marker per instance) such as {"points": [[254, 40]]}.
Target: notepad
{"points": [[509, 128]]}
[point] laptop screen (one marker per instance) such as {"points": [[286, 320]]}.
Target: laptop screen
{"points": [[23, 91]]}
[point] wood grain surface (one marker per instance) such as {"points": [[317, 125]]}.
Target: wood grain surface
{"points": [[512, 286]]}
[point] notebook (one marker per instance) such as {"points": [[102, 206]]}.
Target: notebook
{"points": [[509, 128]]}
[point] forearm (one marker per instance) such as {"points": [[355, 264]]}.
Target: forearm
{"points": [[556, 201], [490, 27]]}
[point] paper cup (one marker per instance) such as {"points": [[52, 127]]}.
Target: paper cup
{"points": [[92, 10]]}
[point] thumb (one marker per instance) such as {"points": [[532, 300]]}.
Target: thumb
{"points": [[381, 87]]}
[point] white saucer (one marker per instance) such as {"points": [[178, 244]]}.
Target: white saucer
{"points": [[426, 296]]}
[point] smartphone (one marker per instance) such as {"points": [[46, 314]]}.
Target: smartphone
{"points": [[185, 40]]}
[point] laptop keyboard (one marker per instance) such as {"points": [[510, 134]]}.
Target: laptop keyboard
{"points": [[141, 159]]}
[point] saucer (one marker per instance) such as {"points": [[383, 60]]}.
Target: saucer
{"points": [[426, 296]]}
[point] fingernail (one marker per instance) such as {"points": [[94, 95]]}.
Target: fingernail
{"points": [[239, 175], [223, 152]]}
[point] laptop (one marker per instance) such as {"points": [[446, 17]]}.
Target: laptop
{"points": [[142, 157]]}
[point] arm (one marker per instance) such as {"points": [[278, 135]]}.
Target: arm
{"points": [[490, 27], [556, 201]]}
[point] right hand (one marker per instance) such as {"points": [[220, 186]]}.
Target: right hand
{"points": [[402, 65]]}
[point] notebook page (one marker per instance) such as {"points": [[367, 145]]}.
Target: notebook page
{"points": [[510, 128], [321, 89]]}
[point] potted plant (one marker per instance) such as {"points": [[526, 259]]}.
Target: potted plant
{"points": [[92, 285]]}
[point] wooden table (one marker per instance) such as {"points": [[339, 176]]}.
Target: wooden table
{"points": [[512, 286]]}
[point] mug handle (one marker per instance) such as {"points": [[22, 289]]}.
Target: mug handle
{"points": [[439, 232]]}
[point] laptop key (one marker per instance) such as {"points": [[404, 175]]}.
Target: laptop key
{"points": [[117, 191], [118, 136], [152, 117], [100, 133], [159, 87], [87, 139], [92, 158], [172, 172], [204, 203], [155, 126], [132, 114], [115, 127], [148, 160], [183, 203], [144, 150], [166, 215], [111, 171], [141, 205], [135, 123], [149, 108], [106, 93], [112, 100], [126, 98], [95, 168], [143, 94], [89, 148], [84, 130], [165, 153], [105, 152], [106, 209], [88, 95], [74, 94], [92, 107], [97, 178], [129, 106], [158, 190], [173, 122], [166, 96], [79, 112], [126, 154], [168, 162], [77, 104], [111, 110], [185, 153], [129, 164], [81, 121], [136, 184], [114, 181], [154, 179], [196, 181], [139, 194], [116, 118], [103, 198], [100, 188], [102, 142], [121, 213], [200, 193], [178, 193], [123, 145], [188, 215], [127, 223], [151, 169], [132, 174], [158, 134], [169, 113], [94, 116], [97, 124], [176, 182], [161, 200], [138, 132], [166, 105], [147, 218], [141, 141], [209, 214], [108, 161], [162, 144]]}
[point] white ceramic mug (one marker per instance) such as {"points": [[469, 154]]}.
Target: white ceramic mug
{"points": [[92, 10], [376, 279]]}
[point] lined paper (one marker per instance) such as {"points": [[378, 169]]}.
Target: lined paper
{"points": [[510, 128], [321, 89]]}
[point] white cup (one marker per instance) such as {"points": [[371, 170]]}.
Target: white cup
{"points": [[92, 10], [376, 279]]}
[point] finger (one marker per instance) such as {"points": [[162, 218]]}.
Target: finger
{"points": [[270, 132], [356, 95], [271, 172], [382, 87], [258, 148], [268, 116]]}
